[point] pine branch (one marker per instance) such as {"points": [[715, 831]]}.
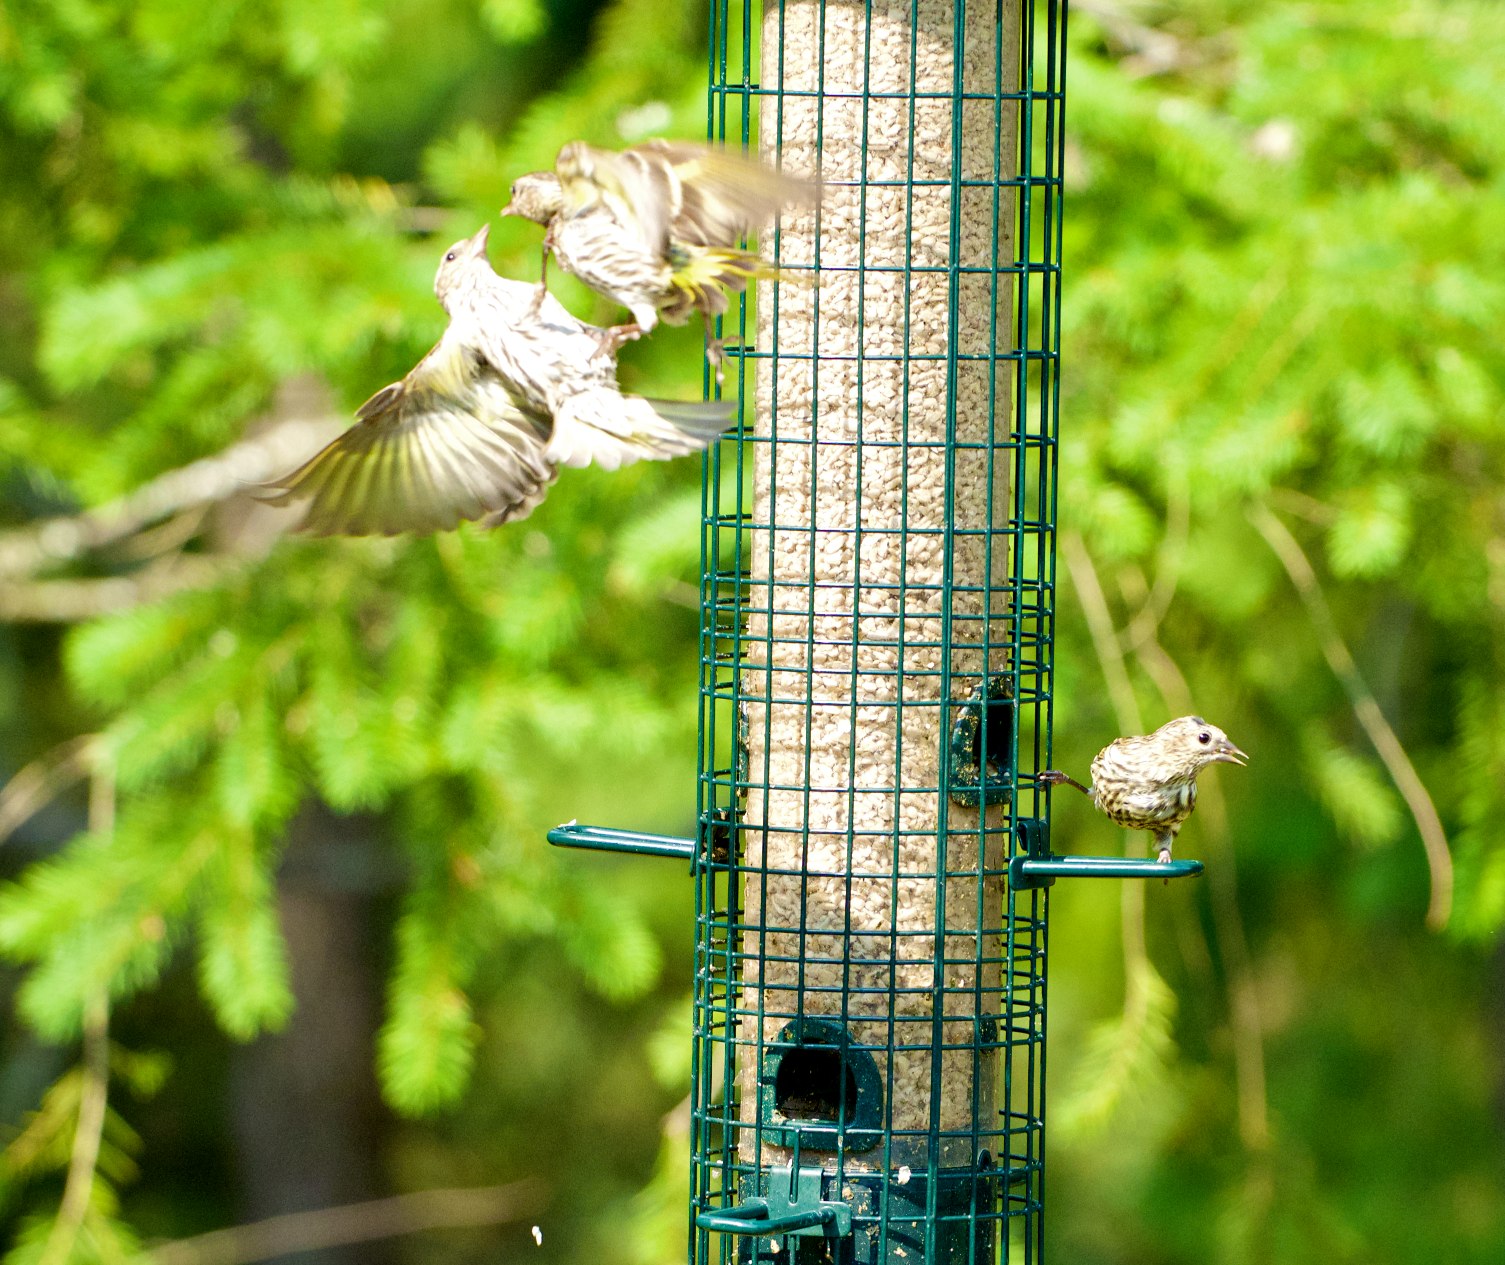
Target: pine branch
{"points": [[353, 1223], [303, 422], [1110, 655], [41, 781], [94, 1097], [1367, 710], [93, 1101], [72, 601], [1143, 987], [1144, 627], [1247, 1022], [1105, 639]]}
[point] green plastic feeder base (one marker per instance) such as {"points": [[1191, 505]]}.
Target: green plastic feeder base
{"points": [[965, 1226]]}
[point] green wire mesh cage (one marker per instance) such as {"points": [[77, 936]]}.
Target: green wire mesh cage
{"points": [[872, 860], [876, 643]]}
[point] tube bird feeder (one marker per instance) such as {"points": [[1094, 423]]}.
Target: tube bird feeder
{"points": [[872, 864], [869, 1022]]}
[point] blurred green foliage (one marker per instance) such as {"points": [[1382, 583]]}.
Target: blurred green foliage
{"points": [[1285, 285]]}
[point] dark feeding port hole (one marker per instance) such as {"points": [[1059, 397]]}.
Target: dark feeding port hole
{"points": [[820, 1088], [984, 743], [814, 1083]]}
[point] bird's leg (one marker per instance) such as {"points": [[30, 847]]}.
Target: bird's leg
{"points": [[716, 354], [612, 339], [715, 349], [543, 276], [1163, 841], [1053, 777]]}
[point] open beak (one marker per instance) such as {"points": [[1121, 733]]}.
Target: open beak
{"points": [[1227, 753]]}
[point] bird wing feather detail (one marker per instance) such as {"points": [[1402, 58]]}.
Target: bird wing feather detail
{"points": [[666, 190], [423, 458], [718, 195], [599, 426]]}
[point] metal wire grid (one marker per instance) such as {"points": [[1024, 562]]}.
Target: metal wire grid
{"points": [[1000, 626]]}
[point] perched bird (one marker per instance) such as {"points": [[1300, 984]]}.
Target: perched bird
{"points": [[657, 226], [1150, 782], [478, 429]]}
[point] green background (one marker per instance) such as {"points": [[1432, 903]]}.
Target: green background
{"points": [[344, 963]]}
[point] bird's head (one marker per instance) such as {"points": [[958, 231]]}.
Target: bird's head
{"points": [[536, 196], [1193, 744], [459, 264]]}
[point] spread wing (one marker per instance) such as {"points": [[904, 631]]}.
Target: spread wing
{"points": [[450, 442], [698, 195], [715, 196]]}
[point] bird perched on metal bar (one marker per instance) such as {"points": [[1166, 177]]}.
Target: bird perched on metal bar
{"points": [[1150, 782], [512, 391], [657, 226]]}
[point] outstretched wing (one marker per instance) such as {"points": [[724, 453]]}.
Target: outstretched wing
{"points": [[715, 196], [676, 191], [449, 443]]}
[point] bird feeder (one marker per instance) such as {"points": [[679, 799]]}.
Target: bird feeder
{"points": [[872, 862]]}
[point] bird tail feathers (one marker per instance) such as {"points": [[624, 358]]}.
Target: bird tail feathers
{"points": [[604, 428], [705, 277]]}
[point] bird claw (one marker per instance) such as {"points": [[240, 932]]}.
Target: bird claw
{"points": [[1054, 777], [543, 276], [715, 352], [613, 339]]}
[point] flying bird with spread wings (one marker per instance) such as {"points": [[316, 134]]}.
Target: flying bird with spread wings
{"points": [[514, 389], [657, 227]]}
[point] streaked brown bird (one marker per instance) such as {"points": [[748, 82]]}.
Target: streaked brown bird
{"points": [[1150, 782], [513, 390], [657, 226]]}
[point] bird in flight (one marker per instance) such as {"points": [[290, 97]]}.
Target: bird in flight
{"points": [[657, 227], [478, 429]]}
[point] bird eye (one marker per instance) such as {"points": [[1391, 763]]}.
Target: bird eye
{"points": [[1204, 737], [449, 258]]}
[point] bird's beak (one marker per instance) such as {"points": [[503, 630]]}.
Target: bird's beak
{"points": [[1227, 753], [478, 242], [507, 210]]}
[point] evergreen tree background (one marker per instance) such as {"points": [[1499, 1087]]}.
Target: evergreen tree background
{"points": [[277, 806]]}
